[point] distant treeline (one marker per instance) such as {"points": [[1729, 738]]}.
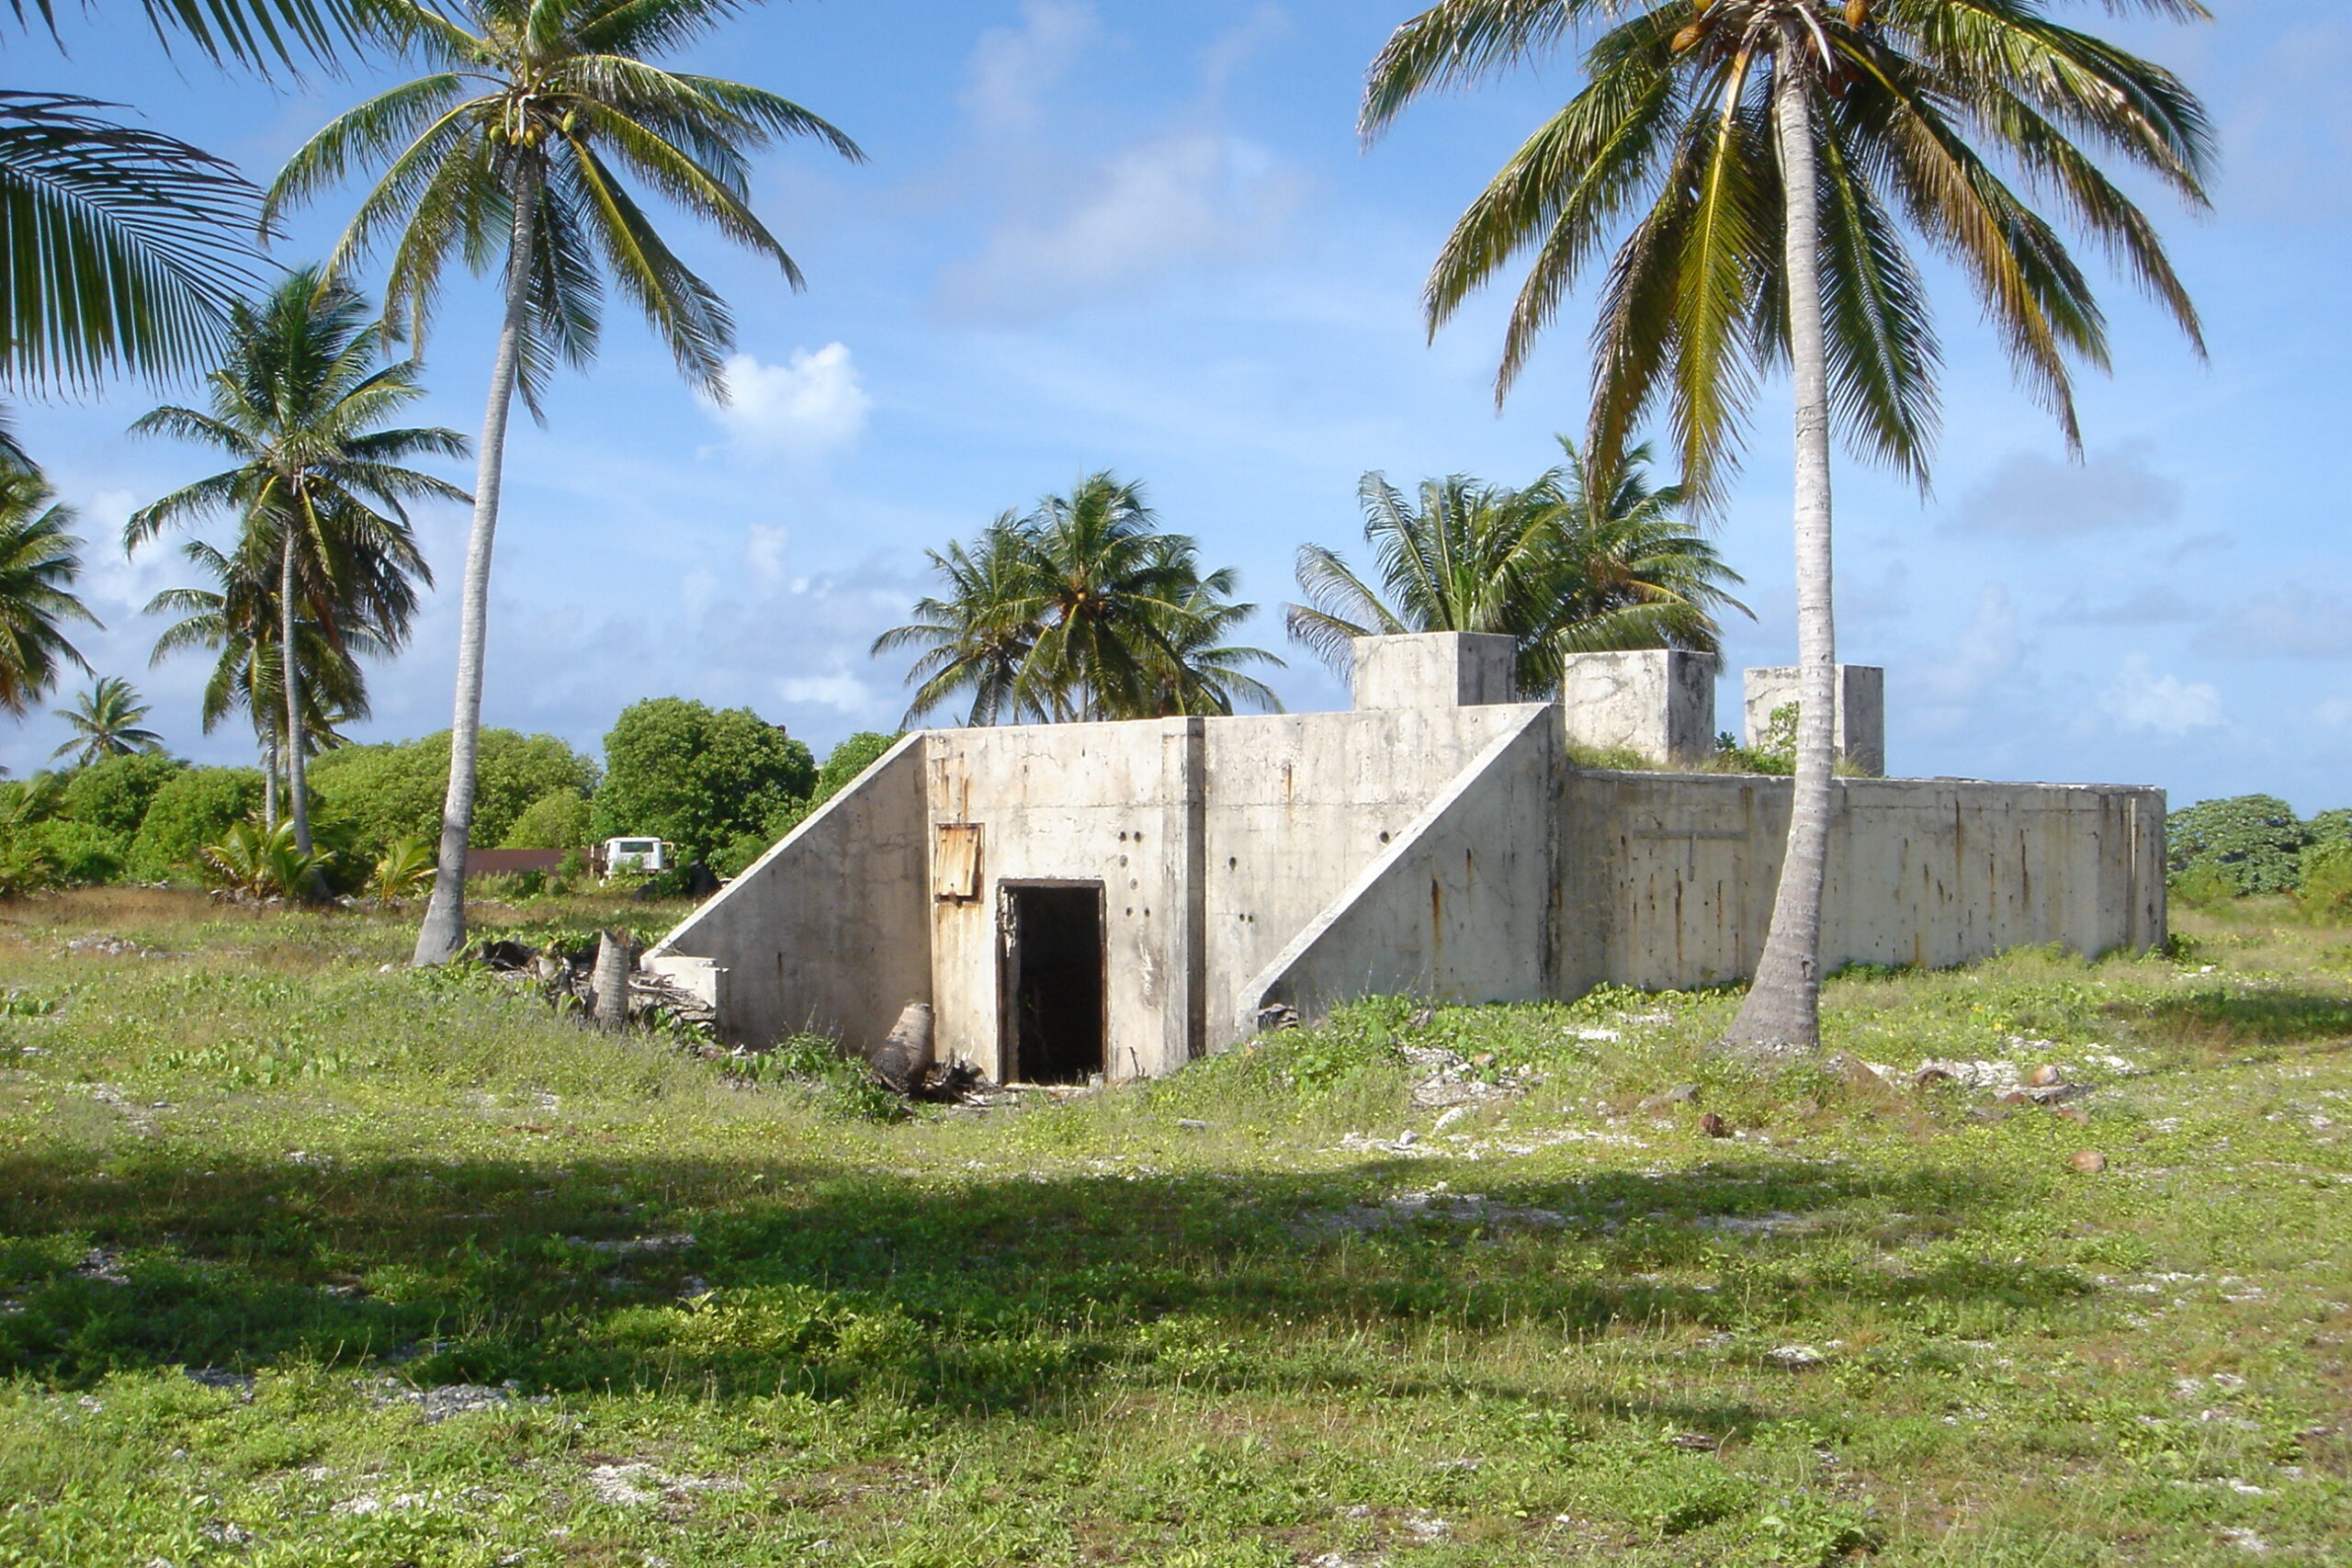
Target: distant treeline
{"points": [[719, 783]]}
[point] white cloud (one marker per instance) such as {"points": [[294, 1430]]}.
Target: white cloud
{"points": [[812, 404], [2292, 622], [763, 547], [1186, 197], [1013, 68], [2033, 495], [1238, 45], [839, 691], [1986, 652], [2149, 605], [2140, 699]]}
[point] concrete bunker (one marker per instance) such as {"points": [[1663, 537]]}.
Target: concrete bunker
{"points": [[1120, 898]]}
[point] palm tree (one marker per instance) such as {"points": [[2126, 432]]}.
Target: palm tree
{"points": [[124, 249], [106, 724], [119, 249], [1106, 590], [1580, 562], [1083, 609], [1764, 158], [1194, 669], [976, 638], [38, 564], [237, 618], [527, 175], [301, 405]]}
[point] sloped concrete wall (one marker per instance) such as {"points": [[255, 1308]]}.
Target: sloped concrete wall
{"points": [[828, 931], [1299, 804], [1457, 907], [1668, 879]]}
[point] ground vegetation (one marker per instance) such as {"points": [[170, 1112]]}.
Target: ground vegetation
{"points": [[309, 1257]]}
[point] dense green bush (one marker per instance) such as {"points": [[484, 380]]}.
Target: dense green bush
{"points": [[701, 777], [83, 854], [2331, 827], [557, 820], [843, 765], [114, 792], [846, 760], [373, 797], [2255, 841], [194, 809], [2325, 885]]}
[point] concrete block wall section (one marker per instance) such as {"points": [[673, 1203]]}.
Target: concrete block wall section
{"points": [[1659, 702], [1433, 670], [1861, 710], [1666, 880]]}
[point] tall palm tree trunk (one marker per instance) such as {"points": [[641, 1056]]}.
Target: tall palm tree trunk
{"points": [[1782, 1010], [270, 781], [297, 791], [443, 933]]}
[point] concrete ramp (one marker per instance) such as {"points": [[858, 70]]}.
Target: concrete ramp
{"points": [[1457, 908], [831, 929]]}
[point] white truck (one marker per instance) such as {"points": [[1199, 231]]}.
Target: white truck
{"points": [[641, 856]]}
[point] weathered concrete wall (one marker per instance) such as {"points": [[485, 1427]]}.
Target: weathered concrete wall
{"points": [[1457, 906], [1444, 848], [828, 930], [1433, 670], [1659, 703], [1668, 879], [1115, 804], [1215, 840], [1860, 724], [1298, 805]]}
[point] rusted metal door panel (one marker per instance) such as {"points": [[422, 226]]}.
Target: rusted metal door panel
{"points": [[956, 862]]}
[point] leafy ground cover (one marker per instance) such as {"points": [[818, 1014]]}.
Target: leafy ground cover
{"points": [[306, 1258]]}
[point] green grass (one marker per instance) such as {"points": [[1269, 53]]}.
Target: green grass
{"points": [[696, 1321]]}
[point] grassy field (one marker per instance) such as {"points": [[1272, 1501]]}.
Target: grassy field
{"points": [[309, 1259]]}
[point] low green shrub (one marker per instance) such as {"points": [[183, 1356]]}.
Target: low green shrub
{"points": [[836, 1085], [192, 810], [557, 820], [2254, 840], [114, 792], [84, 855], [2324, 889]]}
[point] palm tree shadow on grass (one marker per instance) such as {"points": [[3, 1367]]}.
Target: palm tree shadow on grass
{"points": [[2229, 1018], [1001, 1296]]}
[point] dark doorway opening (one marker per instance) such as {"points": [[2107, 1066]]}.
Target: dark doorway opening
{"points": [[1053, 960]]}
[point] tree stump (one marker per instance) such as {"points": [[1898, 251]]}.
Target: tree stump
{"points": [[616, 960], [905, 1056]]}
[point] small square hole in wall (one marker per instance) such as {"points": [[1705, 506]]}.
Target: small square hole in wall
{"points": [[956, 862]]}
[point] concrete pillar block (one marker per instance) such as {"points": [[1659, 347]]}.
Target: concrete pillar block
{"points": [[1659, 702], [1861, 711], [1435, 669]]}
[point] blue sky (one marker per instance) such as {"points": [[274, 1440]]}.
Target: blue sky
{"points": [[1143, 236]]}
